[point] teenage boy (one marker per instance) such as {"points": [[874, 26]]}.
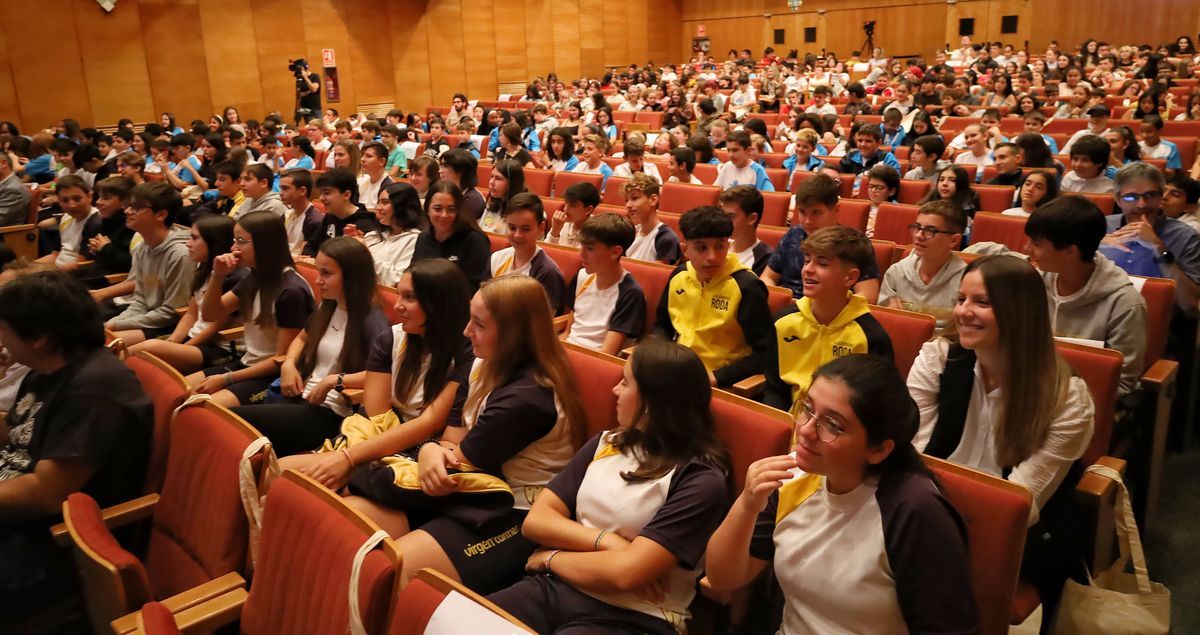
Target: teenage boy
{"points": [[989, 128], [803, 156], [892, 134], [566, 224], [1007, 159], [744, 205], [111, 246], [718, 134], [594, 147], [606, 304], [185, 170], [654, 240], [977, 153], [1090, 297], [230, 198], [1089, 158], [161, 268], [339, 195], [397, 160], [542, 120], [739, 169], [525, 220], [270, 155], [1180, 198], [830, 321], [926, 281], [257, 180], [867, 154], [464, 129], [1155, 147], [77, 225], [80, 423], [1034, 122], [816, 207], [925, 157], [303, 219], [1097, 124], [680, 163], [820, 102], [437, 143], [713, 304], [374, 178], [635, 161], [1176, 247]]}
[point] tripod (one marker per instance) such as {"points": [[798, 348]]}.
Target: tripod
{"points": [[868, 45]]}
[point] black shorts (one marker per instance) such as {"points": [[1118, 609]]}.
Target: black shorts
{"points": [[250, 391], [550, 605], [215, 354]]}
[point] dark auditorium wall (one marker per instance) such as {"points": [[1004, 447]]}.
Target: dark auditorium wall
{"points": [[62, 58], [921, 26]]}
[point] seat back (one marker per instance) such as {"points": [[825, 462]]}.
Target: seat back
{"points": [[564, 180], [309, 272], [706, 172], [996, 513], [567, 259], [771, 235], [853, 213], [483, 175], [651, 118], [612, 191], [1159, 294], [167, 390], [199, 530], [496, 242], [778, 298], [892, 221], [994, 198], [1100, 369], [750, 430], [595, 376], [114, 581], [1104, 201], [998, 228], [652, 276], [885, 253], [681, 197], [775, 208], [301, 581], [540, 182], [386, 297], [422, 596], [908, 331], [778, 177]]}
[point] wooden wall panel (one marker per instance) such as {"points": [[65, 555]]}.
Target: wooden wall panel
{"points": [[115, 64], [369, 49], [662, 36], [279, 36], [177, 72], [325, 27], [9, 109], [231, 54], [616, 34], [1153, 21], [479, 38], [539, 40], [410, 51], [639, 31], [47, 67], [511, 42], [591, 36], [446, 53], [564, 16]]}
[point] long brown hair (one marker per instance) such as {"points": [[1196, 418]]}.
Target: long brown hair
{"points": [[216, 230], [520, 306], [358, 288], [1035, 376], [272, 256], [444, 294]]}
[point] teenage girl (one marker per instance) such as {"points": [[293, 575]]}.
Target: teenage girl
{"points": [[508, 179], [399, 213], [560, 154], [459, 167], [454, 234]]}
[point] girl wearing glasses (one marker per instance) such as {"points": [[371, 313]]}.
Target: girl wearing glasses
{"points": [[994, 395], [853, 497]]}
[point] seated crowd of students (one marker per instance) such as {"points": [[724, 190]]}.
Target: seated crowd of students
{"points": [[470, 373]]}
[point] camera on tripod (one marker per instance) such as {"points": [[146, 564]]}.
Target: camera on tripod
{"points": [[298, 66], [869, 27]]}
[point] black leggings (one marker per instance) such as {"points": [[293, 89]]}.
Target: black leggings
{"points": [[294, 426]]}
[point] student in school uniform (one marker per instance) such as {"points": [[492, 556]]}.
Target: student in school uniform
{"points": [[853, 496], [1155, 147], [635, 161], [1015, 412], [79, 222], [257, 181], [1089, 158], [654, 241], [517, 420], [580, 201], [816, 207], [453, 233], [976, 152], [881, 184], [925, 158], [592, 159], [196, 343], [713, 304], [739, 169], [560, 151], [525, 221], [1090, 297], [413, 372], [926, 280], [111, 247], [303, 219], [828, 322], [374, 178], [310, 407], [867, 153], [274, 299], [506, 181], [606, 304], [1007, 157], [744, 205], [667, 468], [804, 154], [339, 194]]}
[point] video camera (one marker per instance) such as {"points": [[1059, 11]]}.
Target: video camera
{"points": [[298, 66], [869, 27]]}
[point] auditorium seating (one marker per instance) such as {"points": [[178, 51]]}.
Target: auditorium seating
{"points": [[422, 596], [167, 389], [892, 221], [998, 228], [911, 192], [907, 330], [853, 213], [564, 180], [678, 198]]}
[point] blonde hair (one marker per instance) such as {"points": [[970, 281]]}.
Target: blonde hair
{"points": [[809, 135], [641, 182], [518, 304], [601, 142]]}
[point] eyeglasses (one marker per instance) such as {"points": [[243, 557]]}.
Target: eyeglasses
{"points": [[876, 187], [928, 232], [238, 240], [138, 209], [828, 430], [1133, 197]]}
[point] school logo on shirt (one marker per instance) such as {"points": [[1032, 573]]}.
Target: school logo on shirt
{"points": [[791, 338], [842, 349], [720, 303]]}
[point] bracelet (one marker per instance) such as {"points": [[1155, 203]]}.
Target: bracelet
{"points": [[599, 537], [228, 378], [349, 461], [548, 559]]}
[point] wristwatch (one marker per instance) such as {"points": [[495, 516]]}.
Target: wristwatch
{"points": [[1166, 257], [340, 385]]}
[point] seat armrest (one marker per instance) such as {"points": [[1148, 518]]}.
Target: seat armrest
{"points": [[1159, 383], [1093, 488], [353, 395], [627, 352], [750, 387], [1098, 495], [114, 517], [561, 322], [233, 334], [114, 278], [719, 597], [187, 600], [1161, 373]]}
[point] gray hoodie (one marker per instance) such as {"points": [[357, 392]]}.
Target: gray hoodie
{"points": [[161, 276], [269, 202], [1109, 309]]}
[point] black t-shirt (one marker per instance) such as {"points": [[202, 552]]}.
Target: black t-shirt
{"points": [[93, 410], [332, 227], [468, 248], [521, 156], [313, 101]]}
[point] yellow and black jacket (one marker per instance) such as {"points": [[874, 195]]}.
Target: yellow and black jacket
{"points": [[726, 322], [802, 345]]}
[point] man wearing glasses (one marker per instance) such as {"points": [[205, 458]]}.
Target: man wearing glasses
{"points": [[1142, 225]]}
